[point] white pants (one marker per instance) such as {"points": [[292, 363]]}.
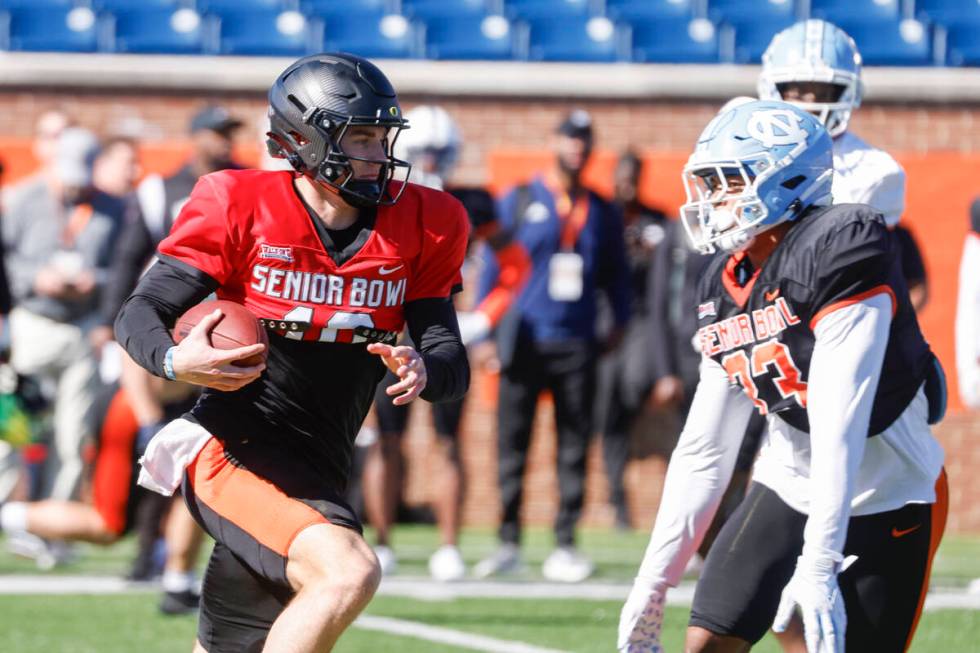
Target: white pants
{"points": [[59, 354]]}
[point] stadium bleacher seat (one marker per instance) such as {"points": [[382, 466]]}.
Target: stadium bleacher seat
{"points": [[948, 12], [645, 9], [34, 4], [126, 5], [51, 29], [573, 38], [674, 40], [740, 12], [892, 43], [752, 39], [835, 11], [469, 37], [158, 30], [542, 9], [241, 6], [321, 7], [434, 9], [266, 32], [370, 34], [963, 44]]}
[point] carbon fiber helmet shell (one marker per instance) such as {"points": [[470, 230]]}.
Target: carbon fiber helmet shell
{"points": [[780, 155], [815, 51], [311, 105]]}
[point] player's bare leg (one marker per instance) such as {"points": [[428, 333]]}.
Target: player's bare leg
{"points": [[381, 484], [184, 538], [198, 648], [62, 520], [335, 574], [700, 640], [448, 500]]}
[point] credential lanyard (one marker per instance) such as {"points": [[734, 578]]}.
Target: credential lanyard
{"points": [[77, 221], [572, 215]]}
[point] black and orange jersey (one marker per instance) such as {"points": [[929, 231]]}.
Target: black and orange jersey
{"points": [[759, 324]]}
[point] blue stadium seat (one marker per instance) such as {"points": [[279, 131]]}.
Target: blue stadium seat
{"points": [[36, 4], [241, 6], [631, 10], [158, 30], [573, 38], [892, 43], [948, 12], [542, 9], [321, 7], [266, 32], [128, 5], [675, 40], [835, 11], [469, 37], [752, 39], [54, 29], [435, 9], [963, 44], [370, 34], [744, 12]]}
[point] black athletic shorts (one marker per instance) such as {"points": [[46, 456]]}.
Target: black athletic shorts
{"points": [[392, 419], [254, 514], [755, 556]]}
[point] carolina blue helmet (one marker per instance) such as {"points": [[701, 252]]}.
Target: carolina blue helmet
{"points": [[814, 51], [754, 166]]}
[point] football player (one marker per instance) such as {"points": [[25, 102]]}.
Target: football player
{"points": [[816, 66], [807, 320], [334, 257], [432, 146]]}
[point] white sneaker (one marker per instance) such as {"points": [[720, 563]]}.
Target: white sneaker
{"points": [[446, 564], [47, 554], [505, 560], [386, 559], [567, 565]]}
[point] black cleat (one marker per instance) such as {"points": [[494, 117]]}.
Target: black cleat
{"points": [[185, 602]]}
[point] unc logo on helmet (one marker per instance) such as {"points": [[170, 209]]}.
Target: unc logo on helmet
{"points": [[755, 166], [776, 128], [821, 54]]}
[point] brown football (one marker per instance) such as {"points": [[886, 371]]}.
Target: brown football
{"points": [[238, 327]]}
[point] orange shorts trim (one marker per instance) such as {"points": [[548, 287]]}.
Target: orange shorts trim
{"points": [[940, 510]]}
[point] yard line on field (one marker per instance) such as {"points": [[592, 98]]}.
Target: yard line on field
{"points": [[425, 589], [46, 584], [442, 635]]}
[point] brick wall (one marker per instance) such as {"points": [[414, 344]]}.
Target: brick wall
{"points": [[490, 124]]}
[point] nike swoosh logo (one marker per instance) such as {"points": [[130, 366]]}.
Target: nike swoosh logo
{"points": [[384, 270], [771, 295], [901, 533]]}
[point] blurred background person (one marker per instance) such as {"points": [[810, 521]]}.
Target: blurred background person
{"points": [[61, 238], [624, 374], [47, 130], [968, 314], [548, 339], [432, 146], [117, 168]]}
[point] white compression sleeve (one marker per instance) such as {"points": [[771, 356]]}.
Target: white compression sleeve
{"points": [[699, 471], [844, 373]]}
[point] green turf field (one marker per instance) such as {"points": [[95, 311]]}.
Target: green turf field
{"points": [[127, 623]]}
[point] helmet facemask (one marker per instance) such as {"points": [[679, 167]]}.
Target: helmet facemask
{"points": [[835, 114], [723, 208]]}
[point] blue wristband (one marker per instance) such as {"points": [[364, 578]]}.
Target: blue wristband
{"points": [[168, 364]]}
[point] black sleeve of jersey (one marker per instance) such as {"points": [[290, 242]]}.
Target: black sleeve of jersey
{"points": [[133, 251], [856, 258], [163, 294], [432, 325], [913, 267]]}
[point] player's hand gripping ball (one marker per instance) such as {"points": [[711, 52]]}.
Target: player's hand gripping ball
{"points": [[237, 327]]}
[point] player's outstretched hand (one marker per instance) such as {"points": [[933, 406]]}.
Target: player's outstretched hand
{"points": [[196, 361], [407, 365], [814, 589], [642, 618]]}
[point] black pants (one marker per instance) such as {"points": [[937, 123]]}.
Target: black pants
{"points": [[567, 370], [755, 556]]}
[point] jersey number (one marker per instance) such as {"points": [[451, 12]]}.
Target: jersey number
{"points": [[768, 358], [339, 320]]}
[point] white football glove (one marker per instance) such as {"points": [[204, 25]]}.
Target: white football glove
{"points": [[814, 589], [642, 618], [473, 326]]}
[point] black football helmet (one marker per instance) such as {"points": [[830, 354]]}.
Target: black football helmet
{"points": [[312, 105]]}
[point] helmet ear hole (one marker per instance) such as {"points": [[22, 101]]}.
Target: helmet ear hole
{"points": [[793, 182]]}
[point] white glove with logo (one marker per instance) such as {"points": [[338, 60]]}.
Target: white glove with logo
{"points": [[642, 618], [814, 589], [473, 326]]}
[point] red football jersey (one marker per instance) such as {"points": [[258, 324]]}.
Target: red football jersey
{"points": [[249, 230]]}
